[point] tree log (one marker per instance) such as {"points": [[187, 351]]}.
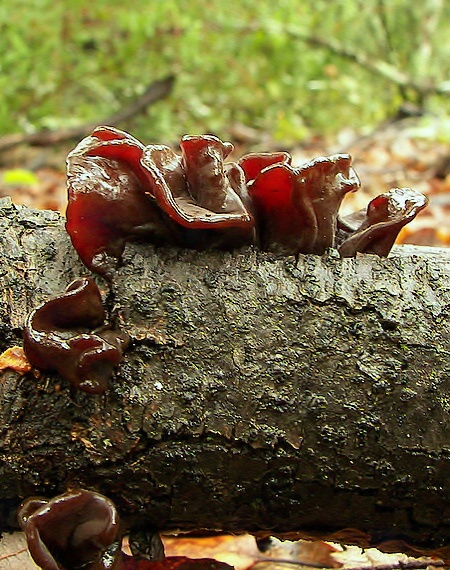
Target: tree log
{"points": [[259, 393]]}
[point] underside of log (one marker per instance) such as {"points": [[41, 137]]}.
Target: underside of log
{"points": [[259, 393]]}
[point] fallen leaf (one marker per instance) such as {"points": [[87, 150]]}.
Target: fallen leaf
{"points": [[243, 553], [14, 553], [309, 553], [240, 551], [15, 359]]}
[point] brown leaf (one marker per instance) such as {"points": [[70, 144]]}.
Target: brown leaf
{"points": [[14, 553], [239, 551], [313, 553], [15, 359], [243, 553]]}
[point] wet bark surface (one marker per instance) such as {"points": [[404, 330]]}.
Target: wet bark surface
{"points": [[258, 393]]}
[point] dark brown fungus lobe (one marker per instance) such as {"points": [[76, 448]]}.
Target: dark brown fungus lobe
{"points": [[375, 230], [199, 191], [59, 336], [195, 189], [297, 208], [108, 200], [254, 162], [79, 529]]}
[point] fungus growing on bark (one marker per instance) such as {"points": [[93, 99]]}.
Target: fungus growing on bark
{"points": [[120, 189], [67, 334], [199, 191], [375, 230], [297, 208], [107, 200], [76, 530]]}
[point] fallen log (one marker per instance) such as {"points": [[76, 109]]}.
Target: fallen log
{"points": [[259, 393]]}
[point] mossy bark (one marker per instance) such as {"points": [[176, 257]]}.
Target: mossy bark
{"points": [[259, 393]]}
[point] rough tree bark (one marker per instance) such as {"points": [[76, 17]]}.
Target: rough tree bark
{"points": [[258, 393]]}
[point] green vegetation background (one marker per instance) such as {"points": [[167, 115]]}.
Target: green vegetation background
{"points": [[254, 63]]}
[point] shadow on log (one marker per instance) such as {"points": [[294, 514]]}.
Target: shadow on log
{"points": [[258, 394]]}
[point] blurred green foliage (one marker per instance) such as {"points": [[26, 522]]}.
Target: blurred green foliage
{"points": [[249, 63]]}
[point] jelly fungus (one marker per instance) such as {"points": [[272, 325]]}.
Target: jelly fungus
{"points": [[76, 530], [121, 190], [375, 230], [66, 334]]}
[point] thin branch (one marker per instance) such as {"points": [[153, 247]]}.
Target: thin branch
{"points": [[377, 66], [382, 68], [13, 554], [156, 91]]}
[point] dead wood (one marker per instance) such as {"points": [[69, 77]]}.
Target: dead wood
{"points": [[258, 394]]}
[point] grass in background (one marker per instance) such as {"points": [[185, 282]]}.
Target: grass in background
{"points": [[65, 63]]}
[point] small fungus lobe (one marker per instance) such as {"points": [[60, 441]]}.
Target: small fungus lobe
{"points": [[76, 530], [67, 334], [375, 230]]}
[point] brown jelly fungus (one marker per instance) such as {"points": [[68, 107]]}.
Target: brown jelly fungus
{"points": [[375, 230], [76, 530], [297, 208], [120, 190], [67, 334]]}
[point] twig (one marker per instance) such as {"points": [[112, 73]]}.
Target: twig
{"points": [[382, 68], [156, 91], [11, 554], [378, 66]]}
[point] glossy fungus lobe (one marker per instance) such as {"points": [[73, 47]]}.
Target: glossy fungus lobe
{"points": [[197, 189], [253, 163], [375, 230], [108, 200], [78, 529], [119, 190], [297, 208], [66, 334]]}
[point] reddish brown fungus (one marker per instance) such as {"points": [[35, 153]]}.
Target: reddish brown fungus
{"points": [[121, 190], [200, 192], [79, 529], [108, 203], [58, 336], [195, 190], [375, 230], [297, 208], [254, 162]]}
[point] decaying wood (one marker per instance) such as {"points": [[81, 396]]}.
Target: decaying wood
{"points": [[259, 393], [154, 92]]}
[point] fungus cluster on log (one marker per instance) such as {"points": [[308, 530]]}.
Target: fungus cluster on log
{"points": [[120, 189]]}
